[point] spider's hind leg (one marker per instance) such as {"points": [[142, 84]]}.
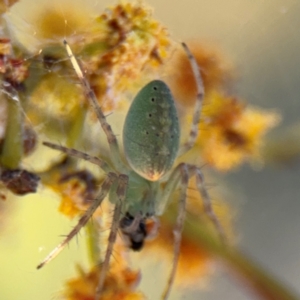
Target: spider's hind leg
{"points": [[181, 175], [207, 204], [180, 179]]}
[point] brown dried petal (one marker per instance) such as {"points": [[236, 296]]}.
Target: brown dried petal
{"points": [[20, 182]]}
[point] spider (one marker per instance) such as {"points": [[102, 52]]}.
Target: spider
{"points": [[141, 188]]}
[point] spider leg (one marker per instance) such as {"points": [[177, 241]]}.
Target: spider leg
{"points": [[208, 209], [199, 102], [104, 189], [180, 177], [182, 171], [75, 153], [121, 194], [111, 138]]}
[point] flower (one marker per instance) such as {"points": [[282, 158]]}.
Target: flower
{"points": [[114, 48], [120, 284], [231, 131], [131, 41], [77, 190]]}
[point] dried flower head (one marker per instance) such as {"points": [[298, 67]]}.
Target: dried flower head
{"points": [[231, 131], [20, 182], [132, 41], [13, 71], [120, 284], [114, 47], [77, 190]]}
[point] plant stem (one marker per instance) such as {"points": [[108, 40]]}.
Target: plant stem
{"points": [[253, 276], [12, 150], [93, 243], [75, 133]]}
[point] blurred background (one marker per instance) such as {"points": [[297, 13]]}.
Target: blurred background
{"points": [[262, 40]]}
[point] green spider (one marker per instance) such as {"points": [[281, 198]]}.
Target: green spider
{"points": [[151, 137]]}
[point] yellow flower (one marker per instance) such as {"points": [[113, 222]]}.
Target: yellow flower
{"points": [[131, 41], [231, 132], [120, 284], [114, 48], [77, 190]]}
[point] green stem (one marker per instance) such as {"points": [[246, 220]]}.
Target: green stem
{"points": [[12, 150], [75, 133], [251, 275], [93, 243]]}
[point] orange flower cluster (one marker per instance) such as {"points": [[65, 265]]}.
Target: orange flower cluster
{"points": [[114, 48], [119, 284], [133, 41], [231, 131], [14, 71], [77, 190]]}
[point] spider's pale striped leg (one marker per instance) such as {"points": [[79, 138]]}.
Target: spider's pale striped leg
{"points": [[78, 154], [180, 178], [199, 102], [111, 138], [180, 175], [208, 209], [104, 189], [121, 194]]}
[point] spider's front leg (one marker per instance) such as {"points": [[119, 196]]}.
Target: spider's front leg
{"points": [[199, 101], [79, 154], [180, 178], [111, 138]]}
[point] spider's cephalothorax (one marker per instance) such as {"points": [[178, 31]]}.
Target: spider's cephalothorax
{"points": [[140, 188]]}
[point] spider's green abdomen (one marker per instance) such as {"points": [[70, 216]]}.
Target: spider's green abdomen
{"points": [[151, 132]]}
